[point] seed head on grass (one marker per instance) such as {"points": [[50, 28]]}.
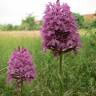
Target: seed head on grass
{"points": [[59, 30], [20, 66]]}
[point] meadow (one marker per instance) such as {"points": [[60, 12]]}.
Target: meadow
{"points": [[79, 70]]}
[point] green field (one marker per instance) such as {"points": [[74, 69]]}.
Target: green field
{"points": [[79, 70]]}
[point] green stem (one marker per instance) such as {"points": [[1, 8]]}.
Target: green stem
{"points": [[21, 88], [60, 70]]}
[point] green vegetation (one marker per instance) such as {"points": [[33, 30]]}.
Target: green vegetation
{"points": [[28, 23], [8, 27], [82, 23], [79, 19], [79, 70], [93, 24]]}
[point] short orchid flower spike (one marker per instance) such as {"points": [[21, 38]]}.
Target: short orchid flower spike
{"points": [[20, 66]]}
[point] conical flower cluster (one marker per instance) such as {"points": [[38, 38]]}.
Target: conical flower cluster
{"points": [[59, 30], [20, 66]]}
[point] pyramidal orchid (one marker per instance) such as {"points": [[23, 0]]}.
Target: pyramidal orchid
{"points": [[59, 31], [20, 66]]}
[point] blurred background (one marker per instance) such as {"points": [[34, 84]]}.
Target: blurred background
{"points": [[27, 14]]}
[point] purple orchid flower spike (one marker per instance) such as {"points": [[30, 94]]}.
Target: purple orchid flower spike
{"points": [[59, 30], [20, 66]]}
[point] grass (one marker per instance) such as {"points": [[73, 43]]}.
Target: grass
{"points": [[79, 70]]}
